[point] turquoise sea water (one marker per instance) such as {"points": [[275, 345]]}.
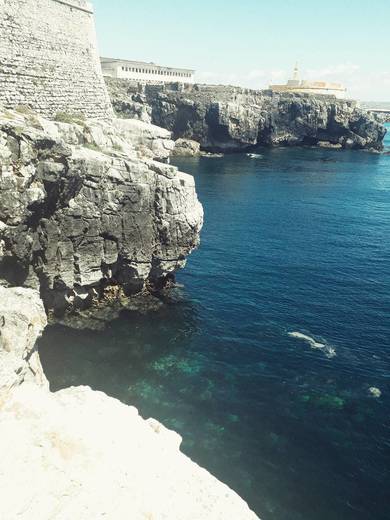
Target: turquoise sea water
{"points": [[297, 240]]}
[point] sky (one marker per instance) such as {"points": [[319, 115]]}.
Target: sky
{"points": [[253, 43]]}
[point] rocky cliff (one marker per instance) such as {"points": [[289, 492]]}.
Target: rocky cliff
{"points": [[81, 454], [89, 209], [232, 119], [382, 118]]}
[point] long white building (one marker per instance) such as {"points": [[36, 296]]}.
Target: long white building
{"points": [[143, 72]]}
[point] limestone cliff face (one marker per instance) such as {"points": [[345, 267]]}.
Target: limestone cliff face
{"points": [[232, 119], [85, 207]]}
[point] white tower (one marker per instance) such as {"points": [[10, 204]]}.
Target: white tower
{"points": [[295, 80], [296, 73]]}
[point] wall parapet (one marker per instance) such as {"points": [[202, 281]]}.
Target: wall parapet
{"points": [[81, 5], [49, 58]]}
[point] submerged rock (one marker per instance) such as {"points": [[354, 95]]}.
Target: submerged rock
{"points": [[223, 118], [85, 205]]}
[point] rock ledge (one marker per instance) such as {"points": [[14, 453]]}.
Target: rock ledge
{"points": [[80, 454]]}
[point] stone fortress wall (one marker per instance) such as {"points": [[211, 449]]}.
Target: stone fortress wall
{"points": [[49, 58]]}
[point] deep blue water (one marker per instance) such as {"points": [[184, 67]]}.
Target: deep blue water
{"points": [[297, 240]]}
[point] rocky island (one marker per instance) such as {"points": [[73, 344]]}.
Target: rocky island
{"points": [[233, 119]]}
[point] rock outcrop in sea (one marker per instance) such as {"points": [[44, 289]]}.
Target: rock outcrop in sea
{"points": [[89, 207], [230, 119]]}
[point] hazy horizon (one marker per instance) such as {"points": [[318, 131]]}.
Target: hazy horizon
{"points": [[258, 43]]}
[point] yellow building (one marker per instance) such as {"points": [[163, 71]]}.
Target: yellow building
{"points": [[311, 87]]}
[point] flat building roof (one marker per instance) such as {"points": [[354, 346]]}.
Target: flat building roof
{"points": [[134, 63]]}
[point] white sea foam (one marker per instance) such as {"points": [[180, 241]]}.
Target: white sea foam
{"points": [[328, 349]]}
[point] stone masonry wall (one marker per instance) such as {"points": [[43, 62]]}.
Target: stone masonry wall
{"points": [[49, 58]]}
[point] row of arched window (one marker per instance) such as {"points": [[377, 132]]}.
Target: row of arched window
{"points": [[157, 71]]}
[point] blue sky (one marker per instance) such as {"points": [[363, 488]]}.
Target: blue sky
{"points": [[255, 42]]}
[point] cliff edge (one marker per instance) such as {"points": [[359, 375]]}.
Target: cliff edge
{"points": [[81, 454], [229, 119]]}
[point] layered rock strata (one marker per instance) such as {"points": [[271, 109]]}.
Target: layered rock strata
{"points": [[81, 454], [90, 208], [228, 119]]}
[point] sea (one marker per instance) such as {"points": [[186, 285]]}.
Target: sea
{"points": [[272, 358]]}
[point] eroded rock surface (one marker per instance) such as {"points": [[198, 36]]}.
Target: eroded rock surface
{"points": [[186, 148], [223, 118], [85, 206], [22, 319]]}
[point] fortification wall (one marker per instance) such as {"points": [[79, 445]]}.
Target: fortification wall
{"points": [[49, 58]]}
